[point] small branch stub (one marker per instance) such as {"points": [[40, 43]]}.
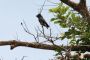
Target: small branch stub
{"points": [[13, 44]]}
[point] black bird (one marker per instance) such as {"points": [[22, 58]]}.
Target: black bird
{"points": [[42, 20]]}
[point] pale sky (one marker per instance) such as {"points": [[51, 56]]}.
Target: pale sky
{"points": [[75, 1], [12, 12]]}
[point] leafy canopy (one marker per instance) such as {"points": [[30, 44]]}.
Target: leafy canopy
{"points": [[78, 29]]}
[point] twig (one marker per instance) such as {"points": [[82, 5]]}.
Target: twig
{"points": [[27, 30], [23, 57], [42, 7], [42, 32], [37, 35], [50, 39]]}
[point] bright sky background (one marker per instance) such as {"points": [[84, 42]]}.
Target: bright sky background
{"points": [[12, 12]]}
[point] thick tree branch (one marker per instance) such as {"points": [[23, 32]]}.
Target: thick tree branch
{"points": [[81, 7], [86, 55], [14, 43]]}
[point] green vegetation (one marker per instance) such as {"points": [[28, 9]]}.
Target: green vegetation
{"points": [[78, 29]]}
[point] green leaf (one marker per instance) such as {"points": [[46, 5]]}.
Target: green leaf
{"points": [[68, 14], [56, 22], [55, 10], [64, 9], [53, 19], [63, 25]]}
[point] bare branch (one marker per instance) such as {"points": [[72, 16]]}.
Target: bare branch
{"points": [[27, 30], [41, 34]]}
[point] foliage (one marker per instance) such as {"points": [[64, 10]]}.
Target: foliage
{"points": [[78, 29]]}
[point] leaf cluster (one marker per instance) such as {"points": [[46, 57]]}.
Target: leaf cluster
{"points": [[78, 29]]}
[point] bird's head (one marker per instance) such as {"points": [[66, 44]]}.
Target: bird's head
{"points": [[38, 15]]}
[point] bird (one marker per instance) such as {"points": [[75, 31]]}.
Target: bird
{"points": [[42, 21]]}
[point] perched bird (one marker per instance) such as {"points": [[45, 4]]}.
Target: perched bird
{"points": [[42, 20]]}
